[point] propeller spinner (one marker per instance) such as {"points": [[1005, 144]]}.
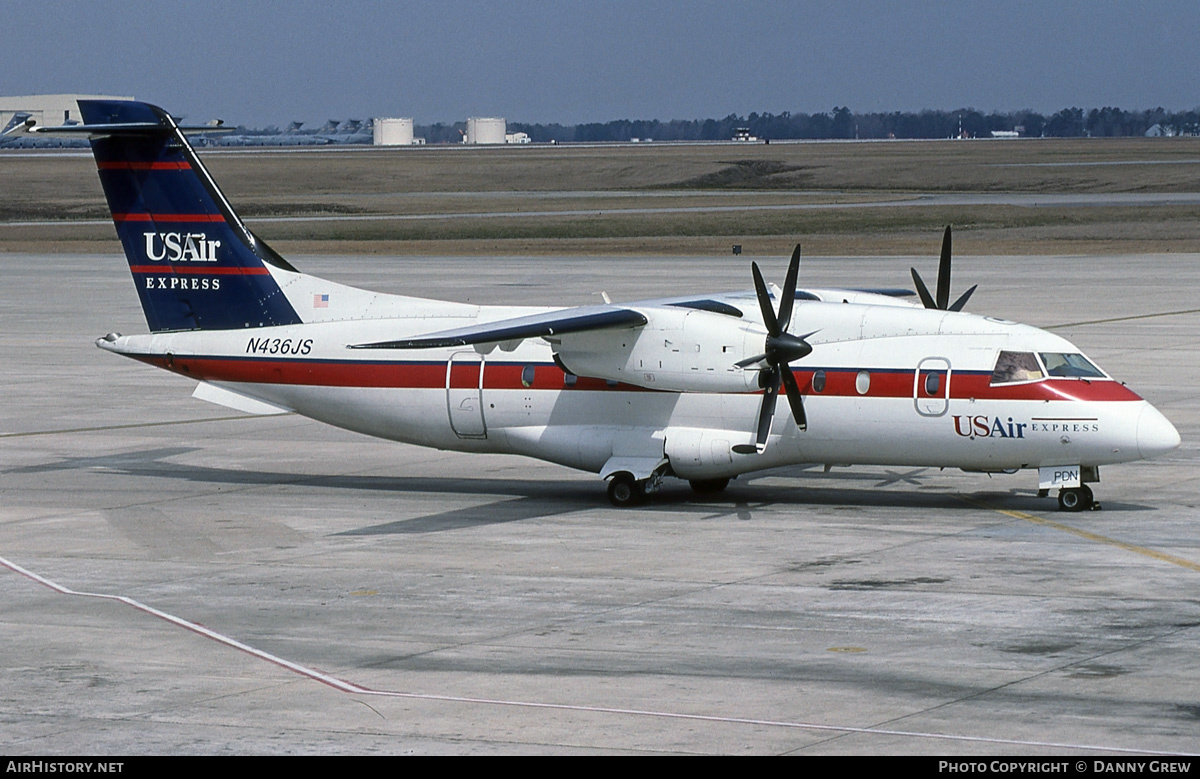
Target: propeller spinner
{"points": [[780, 349], [943, 283]]}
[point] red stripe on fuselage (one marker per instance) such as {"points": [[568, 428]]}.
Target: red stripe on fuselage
{"points": [[510, 376], [978, 386], [168, 218], [397, 375], [963, 386]]}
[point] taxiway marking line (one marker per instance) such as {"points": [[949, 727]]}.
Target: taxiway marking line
{"points": [[1090, 536], [1122, 319], [356, 689]]}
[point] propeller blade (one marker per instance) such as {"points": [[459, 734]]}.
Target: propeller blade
{"points": [[943, 281], [764, 301], [750, 361], [962, 300], [789, 291], [942, 302], [922, 290], [779, 350], [794, 399], [767, 412]]}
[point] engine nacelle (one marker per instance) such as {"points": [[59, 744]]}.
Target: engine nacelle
{"points": [[678, 350], [703, 453]]}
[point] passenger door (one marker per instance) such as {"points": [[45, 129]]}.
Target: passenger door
{"points": [[464, 394], [931, 386]]}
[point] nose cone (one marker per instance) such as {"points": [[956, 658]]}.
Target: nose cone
{"points": [[1155, 434]]}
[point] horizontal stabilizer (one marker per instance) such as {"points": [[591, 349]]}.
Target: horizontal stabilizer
{"points": [[121, 117], [126, 128], [236, 400], [553, 323]]}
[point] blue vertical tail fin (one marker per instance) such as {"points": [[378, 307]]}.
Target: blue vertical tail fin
{"points": [[195, 264]]}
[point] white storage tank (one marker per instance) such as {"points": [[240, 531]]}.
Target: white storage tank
{"points": [[393, 132], [485, 130]]}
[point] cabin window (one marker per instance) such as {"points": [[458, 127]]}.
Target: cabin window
{"points": [[818, 381], [862, 382], [569, 379], [527, 375], [933, 381], [1074, 366], [1014, 367]]}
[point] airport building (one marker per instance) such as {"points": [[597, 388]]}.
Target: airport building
{"points": [[48, 110]]}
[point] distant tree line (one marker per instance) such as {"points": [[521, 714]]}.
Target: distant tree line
{"points": [[841, 122], [441, 133]]}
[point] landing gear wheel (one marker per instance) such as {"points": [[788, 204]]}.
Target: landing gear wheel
{"points": [[625, 491], [1075, 498], [708, 486]]}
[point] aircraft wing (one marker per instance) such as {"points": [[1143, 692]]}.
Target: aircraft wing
{"points": [[549, 324], [891, 292]]}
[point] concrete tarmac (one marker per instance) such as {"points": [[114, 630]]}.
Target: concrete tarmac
{"points": [[179, 578]]}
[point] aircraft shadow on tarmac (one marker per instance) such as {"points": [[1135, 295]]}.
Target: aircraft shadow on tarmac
{"points": [[517, 500]]}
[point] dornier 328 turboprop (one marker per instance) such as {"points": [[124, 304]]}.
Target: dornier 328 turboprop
{"points": [[681, 387]]}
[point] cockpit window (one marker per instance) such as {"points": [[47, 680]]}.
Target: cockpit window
{"points": [[1013, 367], [1074, 366]]}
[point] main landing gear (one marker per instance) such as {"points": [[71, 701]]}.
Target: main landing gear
{"points": [[1077, 499], [625, 491]]}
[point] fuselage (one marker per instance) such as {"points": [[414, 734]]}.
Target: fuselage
{"points": [[886, 383]]}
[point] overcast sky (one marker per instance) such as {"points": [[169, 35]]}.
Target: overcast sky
{"points": [[259, 63]]}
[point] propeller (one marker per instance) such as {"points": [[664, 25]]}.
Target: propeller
{"points": [[780, 349], [943, 283]]}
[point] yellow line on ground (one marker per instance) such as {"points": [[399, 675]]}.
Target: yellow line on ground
{"points": [[1090, 536]]}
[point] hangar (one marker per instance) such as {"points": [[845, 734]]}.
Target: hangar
{"points": [[47, 110]]}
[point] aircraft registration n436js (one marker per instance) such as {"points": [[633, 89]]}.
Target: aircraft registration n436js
{"points": [[681, 387]]}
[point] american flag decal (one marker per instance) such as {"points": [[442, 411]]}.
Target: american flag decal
{"points": [[320, 301]]}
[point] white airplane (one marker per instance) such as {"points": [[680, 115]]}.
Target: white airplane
{"points": [[635, 392]]}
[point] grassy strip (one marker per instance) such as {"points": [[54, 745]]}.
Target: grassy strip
{"points": [[452, 180]]}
